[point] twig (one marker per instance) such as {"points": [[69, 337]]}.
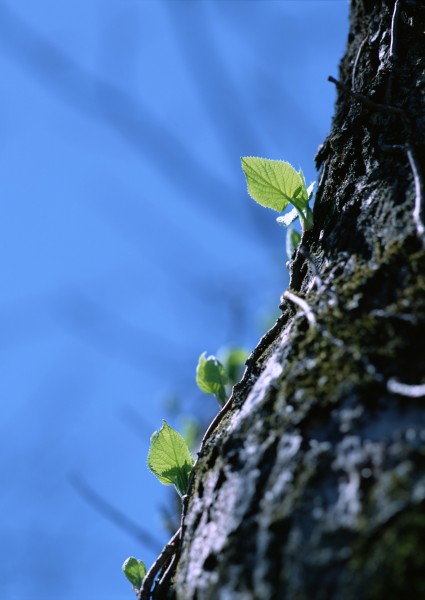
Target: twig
{"points": [[303, 305], [161, 588], [404, 389], [387, 108], [419, 210], [217, 419], [169, 549]]}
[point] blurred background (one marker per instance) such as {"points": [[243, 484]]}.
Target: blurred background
{"points": [[130, 246]]}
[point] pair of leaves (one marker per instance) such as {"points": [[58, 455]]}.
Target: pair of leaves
{"points": [[169, 458], [135, 571], [211, 377], [275, 184]]}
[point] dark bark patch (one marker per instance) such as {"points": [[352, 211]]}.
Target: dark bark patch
{"points": [[210, 563]]}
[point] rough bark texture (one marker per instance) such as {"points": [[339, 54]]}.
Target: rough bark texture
{"points": [[313, 484]]}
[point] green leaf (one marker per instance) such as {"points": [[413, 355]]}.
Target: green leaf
{"points": [[274, 183], [211, 377], [135, 571], [169, 458], [292, 240]]}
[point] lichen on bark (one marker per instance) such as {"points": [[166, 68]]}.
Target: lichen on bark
{"points": [[313, 485]]}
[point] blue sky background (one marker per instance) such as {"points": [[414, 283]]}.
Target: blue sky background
{"points": [[129, 246]]}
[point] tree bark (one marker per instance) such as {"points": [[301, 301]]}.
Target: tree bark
{"points": [[312, 484]]}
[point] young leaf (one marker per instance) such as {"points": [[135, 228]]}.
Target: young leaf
{"points": [[289, 218], [274, 183], [211, 377], [169, 458], [135, 571], [292, 240]]}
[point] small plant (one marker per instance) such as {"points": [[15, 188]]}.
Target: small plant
{"points": [[211, 377], [275, 184], [135, 571], [215, 377], [169, 458]]}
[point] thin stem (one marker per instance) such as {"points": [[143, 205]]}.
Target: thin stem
{"points": [[404, 389], [366, 101], [169, 549]]}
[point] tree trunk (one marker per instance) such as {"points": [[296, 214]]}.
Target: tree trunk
{"points": [[312, 484]]}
